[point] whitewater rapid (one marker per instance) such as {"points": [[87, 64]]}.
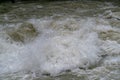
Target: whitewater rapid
{"points": [[52, 46], [61, 45]]}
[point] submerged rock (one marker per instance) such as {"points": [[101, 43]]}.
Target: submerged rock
{"points": [[112, 15], [110, 35], [25, 32], [115, 23], [116, 15]]}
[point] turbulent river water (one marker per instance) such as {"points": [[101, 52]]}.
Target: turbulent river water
{"points": [[66, 40]]}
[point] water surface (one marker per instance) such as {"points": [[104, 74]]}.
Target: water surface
{"points": [[68, 40]]}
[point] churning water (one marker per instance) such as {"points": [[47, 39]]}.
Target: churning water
{"points": [[60, 41]]}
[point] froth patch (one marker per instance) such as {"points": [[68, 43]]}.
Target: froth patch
{"points": [[53, 53]]}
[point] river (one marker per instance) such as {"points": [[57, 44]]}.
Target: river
{"points": [[60, 40]]}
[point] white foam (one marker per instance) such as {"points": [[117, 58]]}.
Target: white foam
{"points": [[61, 45]]}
